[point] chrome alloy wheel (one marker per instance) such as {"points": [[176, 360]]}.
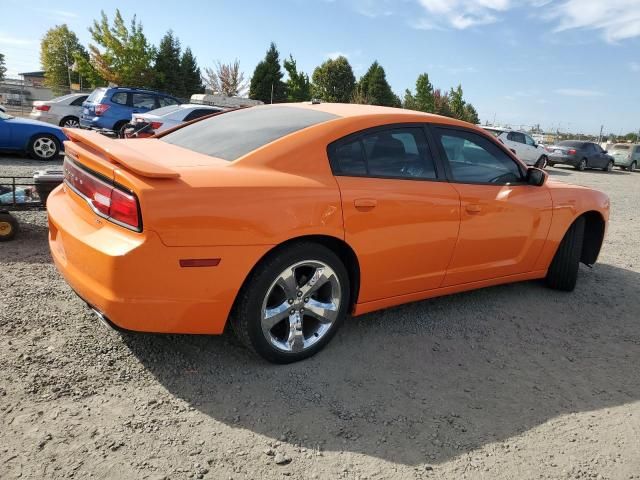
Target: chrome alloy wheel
{"points": [[300, 306], [45, 147], [71, 123]]}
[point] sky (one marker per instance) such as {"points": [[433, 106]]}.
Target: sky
{"points": [[571, 65]]}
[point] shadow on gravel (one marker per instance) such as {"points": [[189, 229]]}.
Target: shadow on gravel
{"points": [[428, 381], [30, 245]]}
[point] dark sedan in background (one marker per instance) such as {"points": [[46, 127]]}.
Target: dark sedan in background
{"points": [[580, 155]]}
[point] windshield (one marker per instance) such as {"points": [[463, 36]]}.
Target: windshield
{"points": [[494, 132], [236, 133], [621, 147], [5, 116]]}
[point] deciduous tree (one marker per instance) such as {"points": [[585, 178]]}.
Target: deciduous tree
{"points": [[226, 79], [470, 114], [58, 51], [333, 81], [266, 82]]}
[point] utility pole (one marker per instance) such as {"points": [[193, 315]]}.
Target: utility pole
{"points": [[272, 93], [600, 136]]}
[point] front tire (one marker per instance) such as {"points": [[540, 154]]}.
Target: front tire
{"points": [[582, 165], [292, 303], [542, 162], [43, 147], [563, 271]]}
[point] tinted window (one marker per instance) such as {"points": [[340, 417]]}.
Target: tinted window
{"points": [[529, 140], [621, 147], [143, 100], [393, 153], [516, 137], [120, 98], [239, 132], [475, 159], [96, 95], [199, 112], [78, 101], [166, 101]]}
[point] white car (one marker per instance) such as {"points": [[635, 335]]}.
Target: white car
{"points": [[522, 145], [63, 111], [171, 116]]}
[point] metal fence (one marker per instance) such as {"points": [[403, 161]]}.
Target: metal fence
{"points": [[18, 96]]}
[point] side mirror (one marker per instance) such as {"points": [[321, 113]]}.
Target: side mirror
{"points": [[606, 151], [536, 177]]}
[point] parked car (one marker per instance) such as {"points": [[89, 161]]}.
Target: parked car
{"points": [[156, 121], [111, 108], [63, 111], [285, 218], [521, 144], [39, 139], [626, 155], [580, 155]]}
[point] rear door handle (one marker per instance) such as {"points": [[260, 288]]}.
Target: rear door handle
{"points": [[473, 208], [365, 202]]}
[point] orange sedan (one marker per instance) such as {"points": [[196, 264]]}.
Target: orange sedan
{"points": [[283, 219]]}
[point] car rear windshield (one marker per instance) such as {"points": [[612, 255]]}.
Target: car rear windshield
{"points": [[571, 143], [165, 110], [621, 147], [236, 133], [96, 95]]}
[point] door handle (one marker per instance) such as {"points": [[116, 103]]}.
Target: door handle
{"points": [[365, 202], [473, 208]]}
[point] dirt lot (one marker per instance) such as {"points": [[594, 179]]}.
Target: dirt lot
{"points": [[515, 381]]}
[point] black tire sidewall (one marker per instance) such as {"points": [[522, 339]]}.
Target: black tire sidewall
{"points": [[261, 280], [69, 117], [7, 217], [32, 142]]}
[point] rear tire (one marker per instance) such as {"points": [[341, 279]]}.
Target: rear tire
{"points": [[70, 122], [542, 162], [632, 167], [8, 226], [609, 167], [43, 146], [563, 271], [262, 297], [582, 165], [119, 127]]}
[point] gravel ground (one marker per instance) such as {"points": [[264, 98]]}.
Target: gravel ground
{"points": [[515, 381]]}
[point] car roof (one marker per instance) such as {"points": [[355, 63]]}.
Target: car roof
{"points": [[347, 110]]}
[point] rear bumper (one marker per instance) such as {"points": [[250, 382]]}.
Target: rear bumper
{"points": [[621, 162], [136, 281], [553, 159]]}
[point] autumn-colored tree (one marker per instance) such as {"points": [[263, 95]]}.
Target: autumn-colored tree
{"points": [[226, 79]]}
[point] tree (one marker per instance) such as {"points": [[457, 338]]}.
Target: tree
{"points": [[126, 57], [456, 103], [3, 68], [441, 103], [409, 101], [191, 76], [424, 94], [470, 114], [58, 50], [375, 87], [333, 81], [226, 79], [266, 82], [298, 85], [167, 73]]}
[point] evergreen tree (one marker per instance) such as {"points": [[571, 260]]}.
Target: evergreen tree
{"points": [[441, 103], [58, 50], [298, 85], [470, 114], [3, 68], [191, 76], [374, 85], [266, 82], [167, 73], [424, 94], [333, 81], [456, 103], [409, 101]]}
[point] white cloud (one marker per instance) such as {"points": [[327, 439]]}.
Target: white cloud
{"points": [[578, 92], [615, 19], [461, 14], [10, 40]]}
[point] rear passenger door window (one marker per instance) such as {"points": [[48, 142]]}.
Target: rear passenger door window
{"points": [[475, 159], [167, 101], [516, 137], [144, 101], [388, 153], [120, 98]]}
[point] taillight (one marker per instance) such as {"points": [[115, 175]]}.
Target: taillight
{"points": [[105, 199], [42, 108], [572, 151], [100, 109], [156, 125]]}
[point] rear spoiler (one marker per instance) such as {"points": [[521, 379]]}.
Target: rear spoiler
{"points": [[117, 152]]}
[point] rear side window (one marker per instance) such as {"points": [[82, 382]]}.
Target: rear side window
{"points": [[516, 137], [393, 153], [236, 133], [166, 101], [78, 101], [475, 159], [143, 100], [96, 95], [199, 112], [120, 98]]}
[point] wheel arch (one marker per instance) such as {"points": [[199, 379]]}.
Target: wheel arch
{"points": [[66, 117], [33, 136], [594, 230], [337, 245]]}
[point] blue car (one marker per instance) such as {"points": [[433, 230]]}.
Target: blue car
{"points": [[111, 108], [42, 141]]}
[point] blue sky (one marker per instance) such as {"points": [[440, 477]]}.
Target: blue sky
{"points": [[568, 64]]}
